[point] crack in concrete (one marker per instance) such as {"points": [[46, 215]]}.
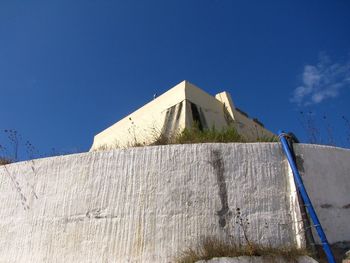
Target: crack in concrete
{"points": [[91, 214]]}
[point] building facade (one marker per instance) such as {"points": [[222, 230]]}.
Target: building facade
{"points": [[177, 109]]}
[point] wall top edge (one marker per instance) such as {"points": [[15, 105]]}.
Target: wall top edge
{"points": [[181, 146]]}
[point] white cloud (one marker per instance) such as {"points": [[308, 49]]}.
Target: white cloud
{"points": [[322, 81]]}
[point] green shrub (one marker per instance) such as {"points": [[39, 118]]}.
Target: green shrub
{"points": [[196, 135]]}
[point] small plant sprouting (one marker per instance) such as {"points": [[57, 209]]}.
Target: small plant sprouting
{"points": [[31, 150], [14, 138], [308, 122], [16, 148], [347, 123], [4, 161], [4, 156], [243, 224], [319, 130], [329, 130], [211, 247]]}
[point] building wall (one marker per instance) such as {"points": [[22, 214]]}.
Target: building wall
{"points": [[212, 109], [250, 129], [173, 111], [145, 124], [246, 126], [145, 204]]}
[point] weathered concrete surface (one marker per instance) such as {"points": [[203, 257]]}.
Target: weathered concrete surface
{"points": [[326, 174], [244, 259], [148, 204], [144, 204]]}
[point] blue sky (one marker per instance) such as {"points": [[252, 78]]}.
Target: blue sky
{"points": [[69, 69]]}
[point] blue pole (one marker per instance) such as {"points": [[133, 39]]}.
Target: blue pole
{"points": [[305, 197]]}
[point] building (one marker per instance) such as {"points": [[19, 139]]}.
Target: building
{"points": [[179, 108]]}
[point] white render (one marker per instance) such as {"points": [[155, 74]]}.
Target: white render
{"points": [[326, 175], [148, 204], [173, 111]]}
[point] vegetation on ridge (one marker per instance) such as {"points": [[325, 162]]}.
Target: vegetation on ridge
{"points": [[4, 161], [212, 248], [196, 135]]}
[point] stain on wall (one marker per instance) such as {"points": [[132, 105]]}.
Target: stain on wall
{"points": [[198, 116], [172, 119], [300, 163], [326, 206], [217, 163]]}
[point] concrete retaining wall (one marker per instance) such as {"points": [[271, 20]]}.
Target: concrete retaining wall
{"points": [[326, 174], [148, 204]]}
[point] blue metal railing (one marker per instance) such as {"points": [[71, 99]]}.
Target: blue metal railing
{"points": [[301, 188]]}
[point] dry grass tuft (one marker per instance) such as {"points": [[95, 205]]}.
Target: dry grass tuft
{"points": [[4, 161], [190, 135], [268, 139], [212, 248]]}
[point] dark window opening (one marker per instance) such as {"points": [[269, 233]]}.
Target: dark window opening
{"points": [[196, 117]]}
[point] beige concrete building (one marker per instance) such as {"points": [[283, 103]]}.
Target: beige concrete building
{"points": [[179, 108]]}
